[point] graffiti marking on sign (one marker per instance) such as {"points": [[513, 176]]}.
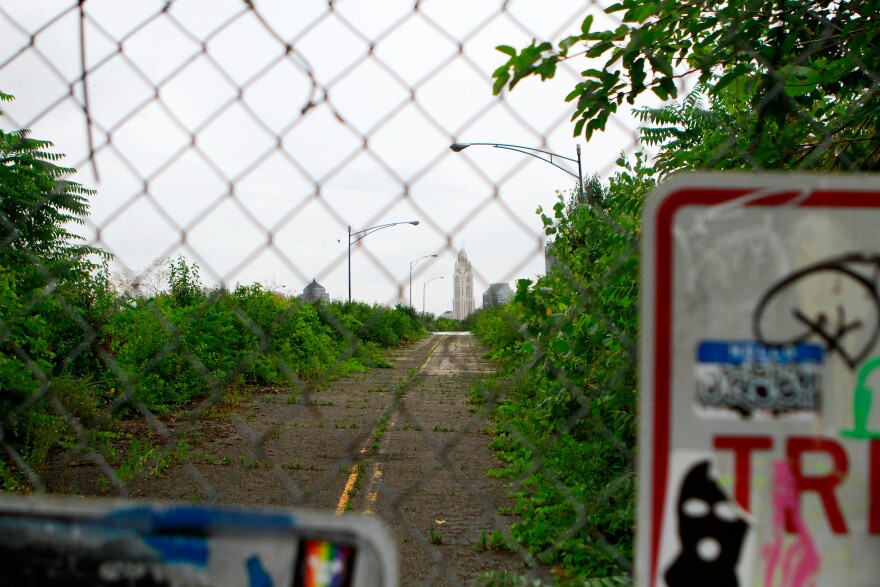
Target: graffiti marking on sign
{"points": [[746, 377]]}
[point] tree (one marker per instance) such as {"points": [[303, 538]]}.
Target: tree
{"points": [[49, 282], [147, 283], [184, 282], [796, 79], [37, 204]]}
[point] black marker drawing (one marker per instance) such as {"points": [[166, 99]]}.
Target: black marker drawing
{"points": [[711, 533], [852, 339]]}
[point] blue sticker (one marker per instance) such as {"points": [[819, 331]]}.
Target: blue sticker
{"points": [[739, 352], [745, 377]]}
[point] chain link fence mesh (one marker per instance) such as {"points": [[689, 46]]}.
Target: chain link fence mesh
{"points": [[251, 138]]}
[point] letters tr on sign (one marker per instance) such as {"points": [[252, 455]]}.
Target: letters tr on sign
{"points": [[760, 358]]}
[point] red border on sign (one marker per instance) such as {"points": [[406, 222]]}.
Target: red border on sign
{"points": [[666, 212]]}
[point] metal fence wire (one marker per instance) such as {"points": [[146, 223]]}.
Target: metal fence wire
{"points": [[240, 142], [237, 142]]}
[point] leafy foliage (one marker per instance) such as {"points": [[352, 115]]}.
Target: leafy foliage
{"points": [[796, 80], [75, 353], [782, 84], [567, 428]]}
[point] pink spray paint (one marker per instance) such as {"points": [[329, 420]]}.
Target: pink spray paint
{"points": [[797, 564]]}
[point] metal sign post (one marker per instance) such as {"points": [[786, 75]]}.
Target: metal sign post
{"points": [[759, 450]]}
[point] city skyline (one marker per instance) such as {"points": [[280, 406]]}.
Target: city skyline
{"points": [[253, 163]]}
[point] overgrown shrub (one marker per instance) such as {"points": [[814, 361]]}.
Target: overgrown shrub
{"points": [[567, 428]]}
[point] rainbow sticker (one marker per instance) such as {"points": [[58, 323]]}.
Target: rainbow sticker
{"points": [[324, 564]]}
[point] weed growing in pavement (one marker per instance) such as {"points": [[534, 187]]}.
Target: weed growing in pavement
{"points": [[434, 537], [381, 427], [507, 579], [499, 541], [482, 542], [141, 456], [102, 441], [439, 428], [297, 466], [182, 452], [201, 457], [276, 432], [358, 470], [291, 398]]}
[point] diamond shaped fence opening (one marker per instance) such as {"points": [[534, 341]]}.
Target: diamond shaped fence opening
{"points": [[195, 329]]}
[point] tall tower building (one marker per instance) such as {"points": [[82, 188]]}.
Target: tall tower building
{"points": [[462, 288]]}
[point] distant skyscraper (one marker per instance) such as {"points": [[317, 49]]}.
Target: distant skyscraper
{"points": [[314, 292], [462, 288], [497, 294]]}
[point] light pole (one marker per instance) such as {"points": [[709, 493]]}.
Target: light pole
{"points": [[411, 265], [537, 154], [424, 285], [360, 234]]}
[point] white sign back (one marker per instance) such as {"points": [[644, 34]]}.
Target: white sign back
{"points": [[759, 450]]}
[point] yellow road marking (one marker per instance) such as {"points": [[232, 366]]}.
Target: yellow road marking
{"points": [[352, 478], [373, 495], [343, 499]]}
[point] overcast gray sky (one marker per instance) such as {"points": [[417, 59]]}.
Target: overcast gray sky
{"points": [[213, 139]]}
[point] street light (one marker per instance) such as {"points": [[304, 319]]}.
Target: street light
{"points": [[360, 234], [536, 153], [411, 265], [424, 285]]}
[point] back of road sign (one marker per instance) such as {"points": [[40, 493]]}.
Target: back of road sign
{"points": [[51, 541], [759, 449]]}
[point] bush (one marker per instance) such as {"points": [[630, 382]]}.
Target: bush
{"points": [[568, 426]]}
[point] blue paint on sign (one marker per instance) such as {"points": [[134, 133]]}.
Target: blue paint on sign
{"points": [[739, 352], [257, 575], [145, 519], [180, 549]]}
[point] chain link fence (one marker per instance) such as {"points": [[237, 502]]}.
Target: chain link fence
{"points": [[238, 143]]}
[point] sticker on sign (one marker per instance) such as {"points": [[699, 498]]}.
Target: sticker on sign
{"points": [[55, 541], [759, 460]]}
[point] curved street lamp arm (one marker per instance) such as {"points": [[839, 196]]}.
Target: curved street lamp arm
{"points": [[413, 263], [525, 151], [363, 234], [425, 287], [368, 231]]}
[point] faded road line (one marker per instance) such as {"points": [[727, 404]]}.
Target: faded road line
{"points": [[377, 474], [346, 493]]}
